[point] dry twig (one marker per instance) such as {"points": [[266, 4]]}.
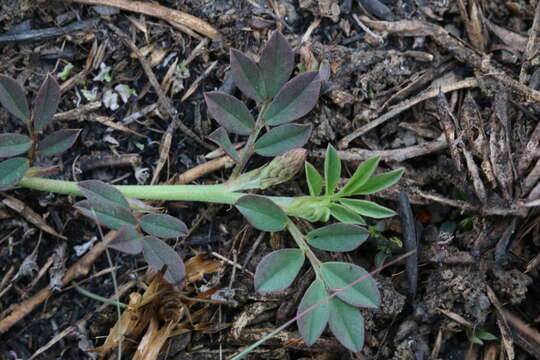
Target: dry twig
{"points": [[154, 9], [163, 99], [404, 105]]}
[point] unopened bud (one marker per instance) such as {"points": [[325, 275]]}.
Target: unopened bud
{"points": [[308, 59], [283, 168]]}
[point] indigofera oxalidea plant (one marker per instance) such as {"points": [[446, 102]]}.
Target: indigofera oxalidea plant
{"points": [[278, 101]]}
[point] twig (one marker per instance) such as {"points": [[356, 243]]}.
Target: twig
{"points": [[80, 268], [48, 33], [457, 48], [408, 224], [163, 99], [81, 321], [201, 170], [79, 113], [507, 340], [232, 263], [197, 81], [398, 155], [404, 105], [162, 12], [524, 335], [487, 210], [531, 45]]}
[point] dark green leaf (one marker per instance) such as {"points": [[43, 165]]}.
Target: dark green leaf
{"points": [[157, 254], [367, 208], [46, 103], [163, 226], [101, 192], [229, 112], [277, 63], [247, 76], [13, 99], [337, 237], [347, 324], [484, 335], [332, 169], [277, 270], [346, 215], [262, 213], [295, 99], [361, 175], [476, 340], [314, 180], [221, 138], [107, 213], [14, 144], [337, 275], [12, 171], [127, 240], [283, 138], [58, 142], [312, 324], [379, 182]]}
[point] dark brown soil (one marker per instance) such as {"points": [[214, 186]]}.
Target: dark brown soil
{"points": [[470, 154]]}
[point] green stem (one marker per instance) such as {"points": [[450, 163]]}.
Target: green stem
{"points": [[301, 242], [219, 193], [205, 193], [249, 148]]}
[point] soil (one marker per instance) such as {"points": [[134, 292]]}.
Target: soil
{"points": [[446, 89]]}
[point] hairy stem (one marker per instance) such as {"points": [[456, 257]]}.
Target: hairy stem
{"points": [[301, 242], [219, 193], [248, 149], [205, 193]]}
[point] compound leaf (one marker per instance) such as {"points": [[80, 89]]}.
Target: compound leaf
{"points": [[229, 112], [109, 214], [295, 99], [262, 213], [14, 144], [247, 76], [347, 324], [282, 139], [12, 171], [127, 240], [101, 192], [337, 275], [361, 175], [367, 208], [312, 324], [379, 182], [277, 63], [58, 142], [337, 237], [314, 180], [46, 103], [158, 254], [163, 226], [221, 138], [332, 169], [346, 215], [277, 270], [13, 99]]}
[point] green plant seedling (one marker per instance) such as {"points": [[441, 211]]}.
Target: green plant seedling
{"points": [[478, 336]]}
